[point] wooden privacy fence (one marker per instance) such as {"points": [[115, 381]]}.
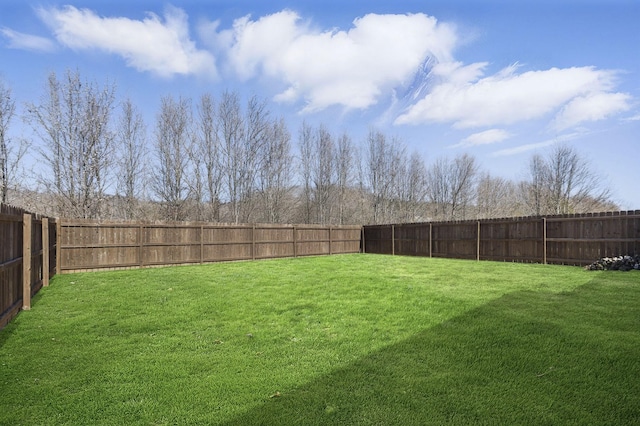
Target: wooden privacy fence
{"points": [[89, 245], [27, 258], [34, 248], [564, 239]]}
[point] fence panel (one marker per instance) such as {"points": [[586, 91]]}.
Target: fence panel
{"points": [[412, 239], [456, 240], [345, 240], [563, 239], [27, 258], [582, 239], [89, 245], [10, 263], [312, 240], [223, 243], [378, 239], [170, 244], [518, 239], [273, 241]]}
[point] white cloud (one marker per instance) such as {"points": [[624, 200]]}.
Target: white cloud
{"points": [[483, 138], [522, 148], [592, 107], [455, 73], [161, 47], [533, 146], [18, 40], [354, 68], [466, 99], [256, 46], [349, 68]]}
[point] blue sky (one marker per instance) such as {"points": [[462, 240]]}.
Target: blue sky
{"points": [[506, 79]]}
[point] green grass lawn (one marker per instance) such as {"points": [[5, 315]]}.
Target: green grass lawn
{"points": [[350, 339]]}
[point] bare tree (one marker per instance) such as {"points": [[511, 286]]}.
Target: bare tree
{"points": [[344, 163], [322, 174], [572, 181], [275, 172], [172, 147], [534, 189], [196, 180], [364, 204], [395, 179], [257, 129], [564, 182], [131, 137], [381, 173], [496, 197], [305, 142], [376, 172], [438, 193], [231, 130], [326, 173], [451, 186], [72, 120], [463, 177], [412, 188], [9, 158], [209, 151]]}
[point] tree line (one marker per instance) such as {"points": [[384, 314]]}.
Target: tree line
{"points": [[225, 159]]}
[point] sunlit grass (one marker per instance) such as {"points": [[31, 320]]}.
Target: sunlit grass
{"points": [[351, 339]]}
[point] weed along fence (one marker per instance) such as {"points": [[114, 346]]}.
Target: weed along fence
{"points": [[89, 245], [27, 258], [566, 239]]}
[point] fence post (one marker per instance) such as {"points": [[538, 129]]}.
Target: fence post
{"points": [[330, 239], [393, 240], [45, 251], [430, 239], [26, 261], [478, 243], [141, 245], [544, 240], [201, 244], [253, 242], [363, 240], [59, 246], [295, 242]]}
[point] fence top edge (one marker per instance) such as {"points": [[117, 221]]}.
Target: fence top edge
{"points": [[11, 213], [630, 214], [196, 224], [9, 210]]}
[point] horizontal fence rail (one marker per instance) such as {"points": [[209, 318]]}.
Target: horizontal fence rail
{"points": [[578, 239], [27, 258], [90, 245]]}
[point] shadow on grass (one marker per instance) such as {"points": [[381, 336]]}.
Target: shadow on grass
{"points": [[526, 358], [7, 332], [12, 327]]}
